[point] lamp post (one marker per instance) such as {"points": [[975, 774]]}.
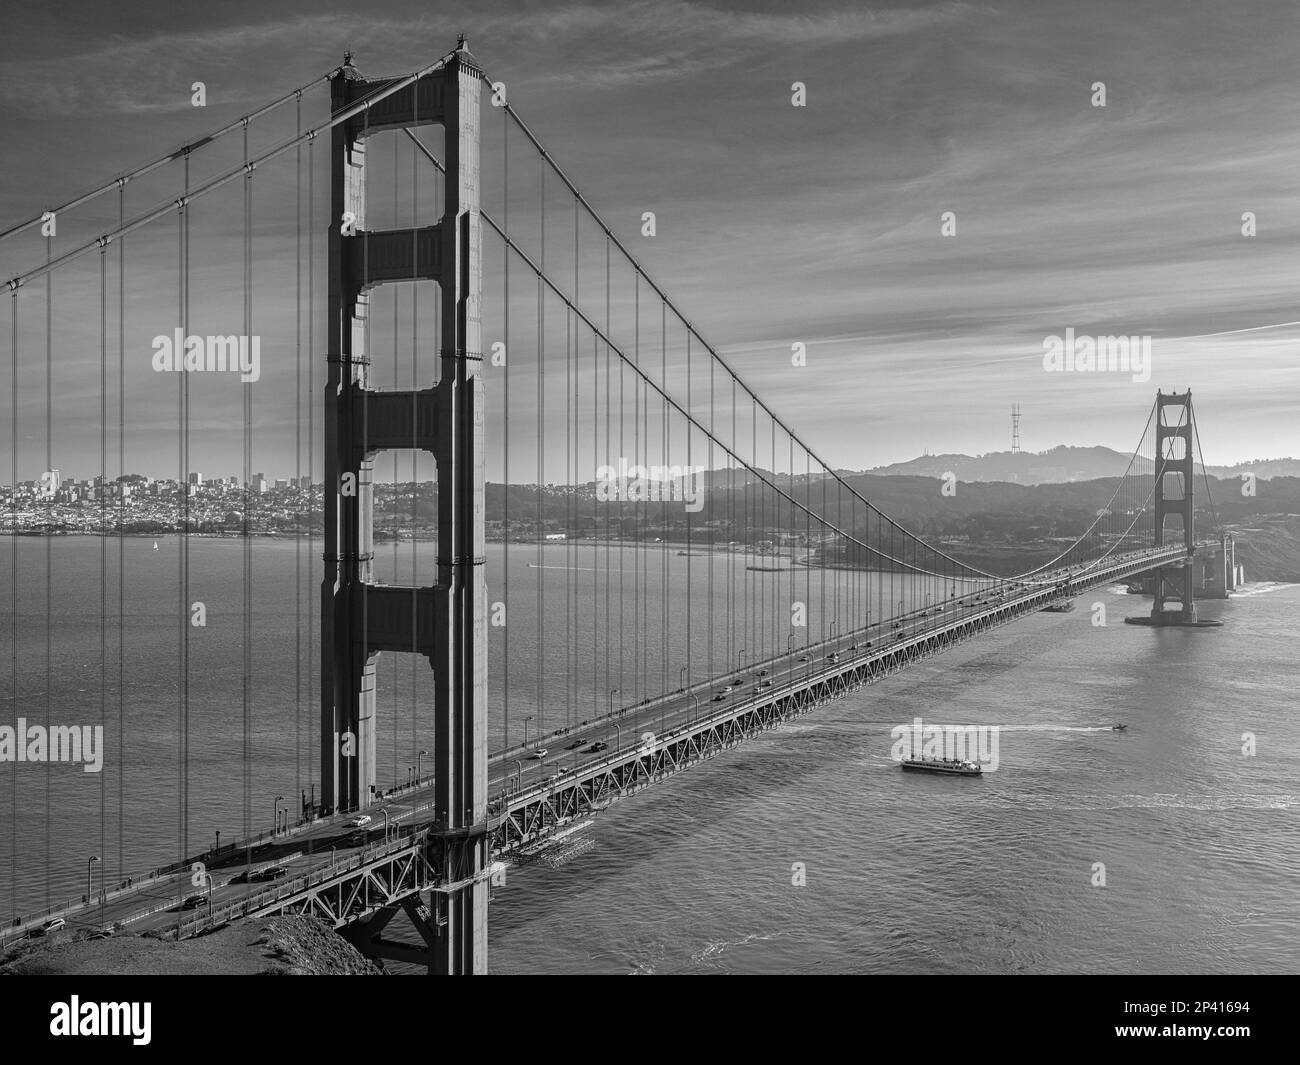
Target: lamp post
{"points": [[681, 679], [609, 706], [695, 706], [618, 736], [526, 720], [278, 799], [519, 774], [419, 760], [789, 645], [90, 865], [740, 664], [385, 813]]}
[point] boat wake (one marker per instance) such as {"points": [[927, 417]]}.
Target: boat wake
{"points": [[711, 951], [1245, 591]]}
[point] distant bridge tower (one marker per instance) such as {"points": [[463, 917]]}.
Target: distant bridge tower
{"points": [[1173, 499], [446, 621]]}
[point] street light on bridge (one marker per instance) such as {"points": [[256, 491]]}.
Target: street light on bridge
{"points": [[526, 720], [419, 759], [609, 706], [278, 799], [90, 865]]}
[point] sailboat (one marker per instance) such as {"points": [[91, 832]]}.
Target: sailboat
{"points": [[155, 545]]}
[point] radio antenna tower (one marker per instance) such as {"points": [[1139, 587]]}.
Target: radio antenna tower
{"points": [[1015, 428]]}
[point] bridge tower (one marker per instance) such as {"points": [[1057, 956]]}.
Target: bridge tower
{"points": [[447, 620], [1173, 499]]}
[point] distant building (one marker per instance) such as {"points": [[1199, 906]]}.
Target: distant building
{"points": [[196, 478], [281, 483]]}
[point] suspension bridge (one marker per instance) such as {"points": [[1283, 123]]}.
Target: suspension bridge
{"points": [[693, 572]]}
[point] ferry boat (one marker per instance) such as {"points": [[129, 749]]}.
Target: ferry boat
{"points": [[943, 765], [1061, 606]]}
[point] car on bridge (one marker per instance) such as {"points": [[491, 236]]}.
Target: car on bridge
{"points": [[576, 743], [719, 698], [597, 747], [538, 754], [194, 902], [50, 926], [762, 673], [359, 822], [276, 872]]}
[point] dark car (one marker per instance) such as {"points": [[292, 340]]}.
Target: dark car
{"points": [[272, 874], [597, 747], [194, 902], [576, 743], [719, 698]]}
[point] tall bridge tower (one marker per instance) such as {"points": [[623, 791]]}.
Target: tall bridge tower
{"points": [[1173, 499], [446, 621]]}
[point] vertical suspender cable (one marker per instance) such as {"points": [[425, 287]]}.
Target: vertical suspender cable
{"points": [[121, 542], [49, 560], [13, 583], [103, 542]]}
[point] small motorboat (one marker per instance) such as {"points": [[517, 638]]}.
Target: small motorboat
{"points": [[1118, 728]]}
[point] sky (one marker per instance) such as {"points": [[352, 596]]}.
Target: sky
{"points": [[775, 224]]}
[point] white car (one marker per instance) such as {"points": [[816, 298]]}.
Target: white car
{"points": [[539, 754], [359, 822]]}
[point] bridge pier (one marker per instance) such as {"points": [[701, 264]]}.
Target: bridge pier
{"points": [[1173, 499], [444, 621], [1174, 477]]}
